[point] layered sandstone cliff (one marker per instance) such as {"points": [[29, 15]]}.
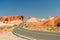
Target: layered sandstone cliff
{"points": [[50, 21], [13, 20]]}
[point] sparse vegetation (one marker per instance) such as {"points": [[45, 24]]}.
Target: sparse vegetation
{"points": [[39, 28]]}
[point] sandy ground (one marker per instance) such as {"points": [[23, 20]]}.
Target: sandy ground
{"points": [[10, 36]]}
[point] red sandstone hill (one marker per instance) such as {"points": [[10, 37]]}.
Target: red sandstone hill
{"points": [[50, 21], [6, 19]]}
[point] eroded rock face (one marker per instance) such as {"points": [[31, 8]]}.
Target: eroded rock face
{"points": [[11, 18], [57, 20], [50, 21]]}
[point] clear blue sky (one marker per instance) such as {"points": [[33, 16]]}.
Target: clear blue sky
{"points": [[35, 8]]}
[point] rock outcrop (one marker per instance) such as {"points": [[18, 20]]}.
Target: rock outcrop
{"points": [[6, 19], [50, 21], [11, 20]]}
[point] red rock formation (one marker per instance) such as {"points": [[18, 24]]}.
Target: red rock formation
{"points": [[51, 21], [11, 18], [57, 20]]}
